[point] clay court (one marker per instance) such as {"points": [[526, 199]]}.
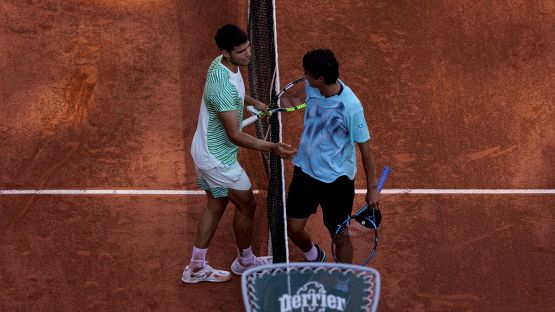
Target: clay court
{"points": [[104, 95]]}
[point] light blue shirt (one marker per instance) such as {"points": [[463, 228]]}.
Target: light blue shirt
{"points": [[332, 127]]}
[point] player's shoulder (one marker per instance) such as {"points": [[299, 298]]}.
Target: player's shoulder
{"points": [[217, 73], [349, 98]]}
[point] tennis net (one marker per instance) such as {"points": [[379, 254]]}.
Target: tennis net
{"points": [[263, 83]]}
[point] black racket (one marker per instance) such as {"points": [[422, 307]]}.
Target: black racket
{"points": [[360, 232], [291, 98]]}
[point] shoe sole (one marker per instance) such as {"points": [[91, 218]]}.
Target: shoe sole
{"points": [[208, 281], [236, 272]]}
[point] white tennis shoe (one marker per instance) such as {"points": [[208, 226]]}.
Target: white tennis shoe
{"points": [[206, 274], [238, 269]]}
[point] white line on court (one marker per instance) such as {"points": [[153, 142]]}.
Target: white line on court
{"points": [[358, 191], [466, 191], [103, 192]]}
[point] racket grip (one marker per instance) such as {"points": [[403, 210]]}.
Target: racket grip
{"points": [[250, 120], [383, 177], [253, 110]]}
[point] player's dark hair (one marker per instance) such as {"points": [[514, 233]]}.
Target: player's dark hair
{"points": [[321, 63], [229, 36]]}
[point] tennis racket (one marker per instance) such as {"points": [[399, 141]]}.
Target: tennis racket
{"points": [[359, 232], [291, 98]]}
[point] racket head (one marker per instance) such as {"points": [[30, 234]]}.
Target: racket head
{"points": [[361, 234], [291, 97], [361, 231]]}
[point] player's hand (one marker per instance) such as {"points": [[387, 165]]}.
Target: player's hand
{"points": [[263, 108], [372, 196], [284, 150]]}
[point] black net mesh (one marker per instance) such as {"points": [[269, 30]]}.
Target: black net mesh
{"points": [[262, 70]]}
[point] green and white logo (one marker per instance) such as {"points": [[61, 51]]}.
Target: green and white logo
{"points": [[312, 297]]}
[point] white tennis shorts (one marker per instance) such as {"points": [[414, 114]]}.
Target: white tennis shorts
{"points": [[219, 179]]}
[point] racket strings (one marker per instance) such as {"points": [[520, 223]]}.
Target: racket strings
{"points": [[362, 239], [294, 95]]}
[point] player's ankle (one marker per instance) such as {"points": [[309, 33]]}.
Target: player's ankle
{"points": [[246, 257], [196, 265]]}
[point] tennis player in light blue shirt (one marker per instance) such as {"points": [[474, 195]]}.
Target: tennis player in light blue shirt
{"points": [[325, 163]]}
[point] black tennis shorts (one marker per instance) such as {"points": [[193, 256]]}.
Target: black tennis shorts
{"points": [[335, 198]]}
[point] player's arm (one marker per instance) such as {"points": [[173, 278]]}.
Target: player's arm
{"points": [[372, 193], [257, 104], [254, 102], [236, 136]]}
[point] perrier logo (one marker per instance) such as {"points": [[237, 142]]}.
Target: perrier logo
{"points": [[311, 297]]}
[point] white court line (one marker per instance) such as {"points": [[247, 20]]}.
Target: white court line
{"points": [[104, 192], [358, 191], [465, 191]]}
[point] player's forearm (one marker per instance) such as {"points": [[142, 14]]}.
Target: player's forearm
{"points": [[245, 140], [368, 164], [236, 136], [251, 101]]}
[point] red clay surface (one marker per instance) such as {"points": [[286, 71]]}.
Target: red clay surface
{"points": [[105, 95]]}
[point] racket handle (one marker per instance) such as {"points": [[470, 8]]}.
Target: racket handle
{"points": [[383, 177], [253, 110], [250, 120]]}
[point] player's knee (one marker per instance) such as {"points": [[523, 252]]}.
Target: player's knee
{"points": [[216, 206], [247, 207]]}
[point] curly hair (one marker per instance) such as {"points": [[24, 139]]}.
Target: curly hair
{"points": [[230, 36]]}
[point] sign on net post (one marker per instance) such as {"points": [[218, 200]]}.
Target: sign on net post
{"points": [[310, 287]]}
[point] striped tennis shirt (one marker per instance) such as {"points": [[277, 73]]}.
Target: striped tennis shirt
{"points": [[224, 90]]}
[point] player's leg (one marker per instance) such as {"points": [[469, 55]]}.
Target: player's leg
{"points": [[298, 233], [336, 208], [243, 216], [209, 220], [243, 220], [337, 204], [198, 269], [302, 202]]}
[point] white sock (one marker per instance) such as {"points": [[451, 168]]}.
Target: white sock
{"points": [[198, 258], [312, 254], [246, 257]]}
